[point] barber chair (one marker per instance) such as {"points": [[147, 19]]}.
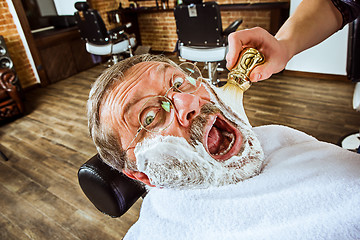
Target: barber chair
{"points": [[109, 190], [99, 40], [11, 102], [352, 141], [200, 34]]}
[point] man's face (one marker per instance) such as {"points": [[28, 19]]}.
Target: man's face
{"points": [[198, 121]]}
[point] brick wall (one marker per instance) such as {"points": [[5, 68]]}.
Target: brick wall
{"points": [[15, 46], [260, 18], [158, 29]]}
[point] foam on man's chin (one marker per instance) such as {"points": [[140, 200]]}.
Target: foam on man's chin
{"points": [[171, 162]]}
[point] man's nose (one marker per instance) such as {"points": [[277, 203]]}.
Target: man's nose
{"points": [[187, 107]]}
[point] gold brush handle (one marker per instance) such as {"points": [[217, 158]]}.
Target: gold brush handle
{"points": [[240, 75]]}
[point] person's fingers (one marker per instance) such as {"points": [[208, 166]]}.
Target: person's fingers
{"points": [[271, 48], [253, 37], [266, 70], [235, 47]]}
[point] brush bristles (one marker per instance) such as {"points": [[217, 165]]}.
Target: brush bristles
{"points": [[234, 93], [234, 87]]}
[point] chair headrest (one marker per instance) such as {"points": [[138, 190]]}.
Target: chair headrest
{"points": [[81, 6], [109, 190]]}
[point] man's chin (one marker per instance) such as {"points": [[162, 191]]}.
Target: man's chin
{"points": [[171, 162]]}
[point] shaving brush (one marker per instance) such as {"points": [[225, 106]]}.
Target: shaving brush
{"points": [[239, 76], [239, 79]]}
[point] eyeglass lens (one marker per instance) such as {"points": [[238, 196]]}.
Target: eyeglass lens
{"points": [[157, 113], [186, 79]]}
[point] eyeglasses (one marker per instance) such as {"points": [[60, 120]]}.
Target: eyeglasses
{"points": [[158, 112]]}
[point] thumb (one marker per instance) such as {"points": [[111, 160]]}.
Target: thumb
{"points": [[261, 72]]}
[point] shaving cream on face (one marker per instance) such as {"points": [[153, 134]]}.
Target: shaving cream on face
{"points": [[171, 162]]}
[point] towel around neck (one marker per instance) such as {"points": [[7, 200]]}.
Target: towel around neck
{"points": [[307, 190]]}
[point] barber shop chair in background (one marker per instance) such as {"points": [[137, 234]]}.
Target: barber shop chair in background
{"points": [[201, 38], [11, 100], [352, 141], [99, 40]]}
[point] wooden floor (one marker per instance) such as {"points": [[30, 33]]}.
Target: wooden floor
{"points": [[39, 193], [318, 107]]}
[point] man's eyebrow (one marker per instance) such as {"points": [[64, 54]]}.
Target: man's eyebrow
{"points": [[132, 102], [162, 69]]}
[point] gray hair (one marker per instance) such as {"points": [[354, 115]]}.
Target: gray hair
{"points": [[106, 139]]}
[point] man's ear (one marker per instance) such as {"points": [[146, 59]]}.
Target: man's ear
{"points": [[140, 176]]}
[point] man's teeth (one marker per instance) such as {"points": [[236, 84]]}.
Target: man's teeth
{"points": [[232, 137]]}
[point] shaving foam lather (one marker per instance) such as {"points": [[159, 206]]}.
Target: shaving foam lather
{"points": [[239, 80]]}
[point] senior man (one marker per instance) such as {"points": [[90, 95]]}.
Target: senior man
{"points": [[210, 174]]}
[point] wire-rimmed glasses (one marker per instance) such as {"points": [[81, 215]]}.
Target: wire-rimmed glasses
{"points": [[158, 112]]}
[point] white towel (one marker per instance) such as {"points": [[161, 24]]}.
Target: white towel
{"points": [[307, 190]]}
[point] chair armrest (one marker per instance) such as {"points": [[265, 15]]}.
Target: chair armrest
{"points": [[110, 191], [119, 30], [116, 30], [7, 79], [232, 27], [10, 84]]}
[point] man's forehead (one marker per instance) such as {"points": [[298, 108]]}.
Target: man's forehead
{"points": [[152, 66], [150, 73], [133, 79]]}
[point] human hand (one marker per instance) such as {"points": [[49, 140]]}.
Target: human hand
{"points": [[275, 51]]}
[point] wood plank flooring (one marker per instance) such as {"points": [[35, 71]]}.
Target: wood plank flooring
{"points": [[40, 197], [321, 108]]}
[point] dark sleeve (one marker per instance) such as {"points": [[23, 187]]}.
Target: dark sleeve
{"points": [[349, 9]]}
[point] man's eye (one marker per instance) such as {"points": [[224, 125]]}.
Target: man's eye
{"points": [[178, 82], [149, 118]]}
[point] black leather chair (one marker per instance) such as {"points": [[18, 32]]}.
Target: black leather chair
{"points": [[353, 54], [110, 191], [352, 141], [99, 40], [353, 62], [200, 34]]}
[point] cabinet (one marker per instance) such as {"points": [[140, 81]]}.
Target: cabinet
{"points": [[62, 53]]}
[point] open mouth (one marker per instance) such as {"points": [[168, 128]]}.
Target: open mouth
{"points": [[222, 140]]}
